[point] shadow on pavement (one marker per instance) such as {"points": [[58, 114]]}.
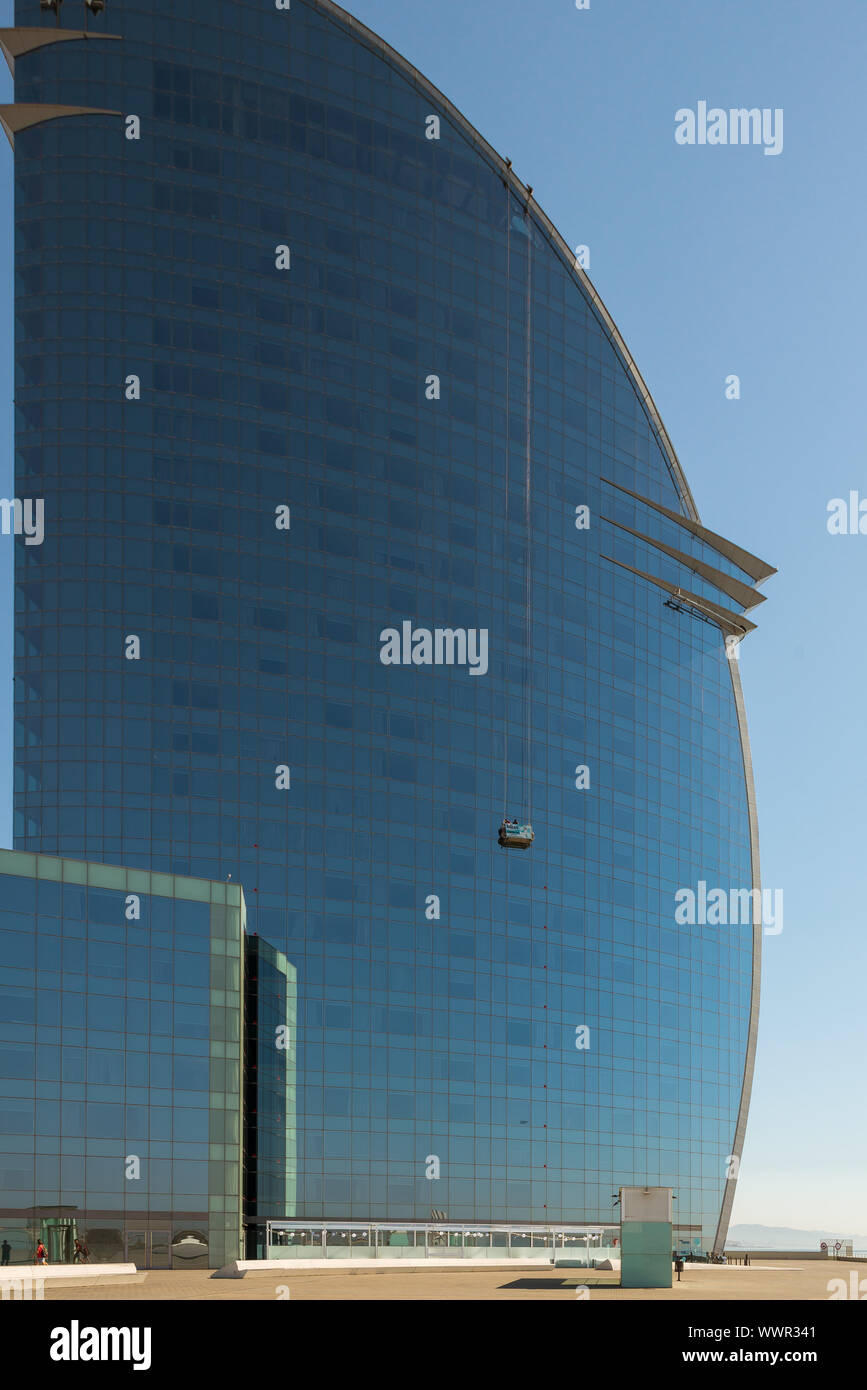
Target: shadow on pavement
{"points": [[555, 1283]]}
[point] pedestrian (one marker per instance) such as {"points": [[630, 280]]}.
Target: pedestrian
{"points": [[5, 1251], [80, 1253], [41, 1257]]}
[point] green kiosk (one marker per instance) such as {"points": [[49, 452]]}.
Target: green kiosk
{"points": [[645, 1237]]}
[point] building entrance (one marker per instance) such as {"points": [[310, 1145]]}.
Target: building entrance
{"points": [[148, 1249]]}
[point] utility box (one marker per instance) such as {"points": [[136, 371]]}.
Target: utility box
{"points": [[645, 1237]]}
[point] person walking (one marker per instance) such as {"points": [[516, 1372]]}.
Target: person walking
{"points": [[81, 1253], [5, 1252], [41, 1257]]}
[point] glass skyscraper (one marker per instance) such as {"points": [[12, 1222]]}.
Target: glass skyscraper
{"points": [[361, 533]]}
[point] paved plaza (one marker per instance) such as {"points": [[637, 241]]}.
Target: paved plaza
{"points": [[786, 1280]]}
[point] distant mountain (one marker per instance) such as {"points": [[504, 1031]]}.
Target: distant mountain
{"points": [[787, 1238]]}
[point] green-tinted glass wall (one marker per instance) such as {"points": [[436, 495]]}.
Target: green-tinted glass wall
{"points": [[120, 1063], [270, 1041]]}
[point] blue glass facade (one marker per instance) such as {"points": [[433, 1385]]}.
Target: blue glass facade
{"points": [[120, 1064], [281, 346]]}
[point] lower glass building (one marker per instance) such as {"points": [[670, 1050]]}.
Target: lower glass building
{"points": [[120, 1064], [362, 533]]}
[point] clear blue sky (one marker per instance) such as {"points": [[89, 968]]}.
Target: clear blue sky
{"points": [[713, 261]]}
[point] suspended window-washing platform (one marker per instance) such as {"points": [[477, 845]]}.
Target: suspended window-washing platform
{"points": [[514, 835]]}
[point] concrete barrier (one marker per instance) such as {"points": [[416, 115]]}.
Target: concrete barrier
{"points": [[15, 1277], [238, 1268], [582, 1264]]}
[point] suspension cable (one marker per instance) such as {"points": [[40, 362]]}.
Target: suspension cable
{"points": [[506, 488], [528, 683]]}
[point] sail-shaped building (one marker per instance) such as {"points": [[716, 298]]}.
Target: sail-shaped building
{"points": [[363, 534]]}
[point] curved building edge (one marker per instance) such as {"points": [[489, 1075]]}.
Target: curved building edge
{"points": [[524, 192], [755, 992]]}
